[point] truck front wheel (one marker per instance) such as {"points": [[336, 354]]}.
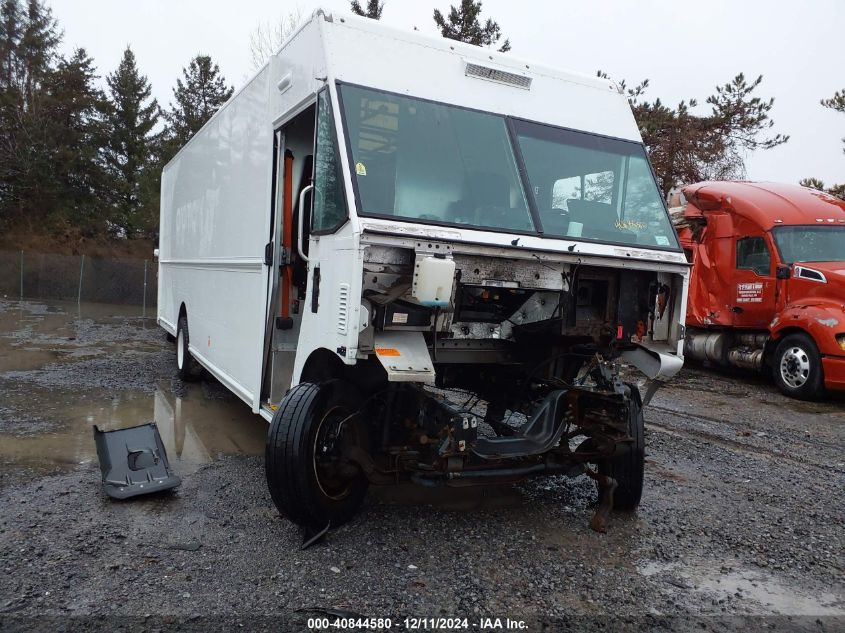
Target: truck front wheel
{"points": [[797, 367], [628, 469], [311, 481]]}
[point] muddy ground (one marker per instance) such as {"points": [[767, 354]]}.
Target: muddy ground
{"points": [[741, 524]]}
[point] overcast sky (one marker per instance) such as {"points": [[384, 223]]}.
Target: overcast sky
{"points": [[685, 48]]}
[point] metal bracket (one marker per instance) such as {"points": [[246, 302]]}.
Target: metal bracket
{"points": [[404, 356], [654, 365]]}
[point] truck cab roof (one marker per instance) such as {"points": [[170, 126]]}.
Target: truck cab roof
{"points": [[766, 204]]}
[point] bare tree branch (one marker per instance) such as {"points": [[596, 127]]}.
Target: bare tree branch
{"points": [[267, 38]]}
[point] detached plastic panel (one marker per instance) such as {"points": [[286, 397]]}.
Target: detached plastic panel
{"points": [[133, 461]]}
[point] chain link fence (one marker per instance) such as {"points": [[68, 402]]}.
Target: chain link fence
{"points": [[26, 275]]}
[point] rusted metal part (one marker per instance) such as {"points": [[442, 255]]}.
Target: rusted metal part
{"points": [[373, 473], [487, 476], [607, 485], [448, 458]]}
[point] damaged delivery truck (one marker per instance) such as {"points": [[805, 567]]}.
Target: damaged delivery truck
{"points": [[423, 261]]}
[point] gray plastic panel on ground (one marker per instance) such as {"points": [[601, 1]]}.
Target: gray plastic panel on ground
{"points": [[133, 461]]}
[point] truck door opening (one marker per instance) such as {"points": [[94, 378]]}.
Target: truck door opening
{"points": [[294, 156]]}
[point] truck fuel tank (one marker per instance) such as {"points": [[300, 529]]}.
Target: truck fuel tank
{"points": [[707, 346], [744, 350], [746, 358]]}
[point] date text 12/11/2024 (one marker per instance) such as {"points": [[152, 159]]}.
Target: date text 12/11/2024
{"points": [[416, 624]]}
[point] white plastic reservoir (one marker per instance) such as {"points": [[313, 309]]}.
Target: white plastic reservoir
{"points": [[433, 279]]}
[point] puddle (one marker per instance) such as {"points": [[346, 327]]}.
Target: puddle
{"points": [[35, 308], [756, 592], [195, 428], [770, 594], [33, 335]]}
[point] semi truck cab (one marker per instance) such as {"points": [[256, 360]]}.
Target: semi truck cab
{"points": [[767, 290]]}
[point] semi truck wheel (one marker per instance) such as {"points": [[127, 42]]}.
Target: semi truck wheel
{"points": [[797, 367], [628, 469], [186, 365], [310, 482]]}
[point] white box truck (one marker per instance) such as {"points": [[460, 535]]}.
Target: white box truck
{"points": [[379, 221]]}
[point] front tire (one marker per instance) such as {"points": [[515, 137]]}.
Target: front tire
{"points": [[797, 367], [310, 481], [628, 469]]}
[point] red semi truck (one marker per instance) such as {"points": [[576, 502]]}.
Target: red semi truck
{"points": [[767, 290]]}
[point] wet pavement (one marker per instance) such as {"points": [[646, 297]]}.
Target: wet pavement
{"points": [[57, 366], [741, 525]]}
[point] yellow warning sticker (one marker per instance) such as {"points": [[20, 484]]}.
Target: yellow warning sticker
{"points": [[387, 351], [360, 169]]}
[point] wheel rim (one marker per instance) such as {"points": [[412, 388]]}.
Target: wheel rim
{"points": [[180, 349], [795, 367], [334, 432]]}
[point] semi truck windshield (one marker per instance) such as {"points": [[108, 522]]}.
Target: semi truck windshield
{"points": [[418, 160], [810, 243]]}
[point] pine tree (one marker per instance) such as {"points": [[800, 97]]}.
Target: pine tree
{"points": [[29, 47], [836, 102], [197, 98], [37, 47], [464, 24], [52, 126], [815, 183], [130, 150], [684, 147], [373, 10], [76, 109], [838, 191], [10, 36], [812, 183]]}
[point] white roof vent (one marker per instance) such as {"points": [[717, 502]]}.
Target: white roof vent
{"points": [[498, 75]]}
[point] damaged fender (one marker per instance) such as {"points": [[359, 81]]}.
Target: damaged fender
{"points": [[822, 320], [657, 366]]}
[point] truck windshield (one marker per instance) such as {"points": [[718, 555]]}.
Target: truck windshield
{"points": [[593, 187], [429, 162], [810, 243], [426, 161]]}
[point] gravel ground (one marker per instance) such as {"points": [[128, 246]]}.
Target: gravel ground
{"points": [[741, 524]]}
